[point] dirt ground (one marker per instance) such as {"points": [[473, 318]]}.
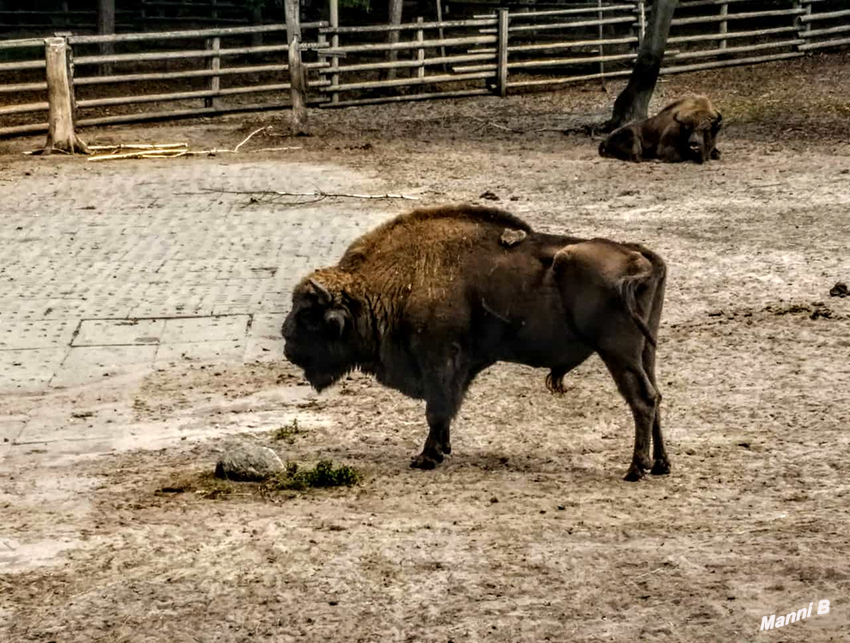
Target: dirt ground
{"points": [[527, 532]]}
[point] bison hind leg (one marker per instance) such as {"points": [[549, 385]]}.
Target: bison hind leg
{"points": [[643, 399]]}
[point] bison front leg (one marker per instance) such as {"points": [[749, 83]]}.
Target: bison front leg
{"points": [[438, 443], [444, 390]]}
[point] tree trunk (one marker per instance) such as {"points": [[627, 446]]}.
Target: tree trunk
{"points": [[60, 97], [297, 80], [633, 102], [393, 38]]}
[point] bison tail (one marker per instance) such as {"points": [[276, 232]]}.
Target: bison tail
{"points": [[628, 288]]}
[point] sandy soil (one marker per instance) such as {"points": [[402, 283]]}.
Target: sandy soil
{"points": [[527, 533]]}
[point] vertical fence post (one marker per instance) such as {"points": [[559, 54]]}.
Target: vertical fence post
{"points": [[803, 28], [641, 22], [502, 53], [256, 21], [106, 26], [420, 53], [440, 31], [321, 57], [639, 26], [60, 99], [334, 20], [214, 63], [601, 46], [297, 82], [724, 26], [396, 8]]}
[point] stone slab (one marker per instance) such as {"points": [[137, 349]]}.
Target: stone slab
{"points": [[205, 329], [86, 364], [29, 371], [118, 332], [229, 350], [19, 334], [265, 341]]}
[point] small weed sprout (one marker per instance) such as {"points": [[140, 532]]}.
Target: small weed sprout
{"points": [[288, 432]]}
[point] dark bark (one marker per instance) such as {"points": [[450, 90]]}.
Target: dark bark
{"points": [[633, 102]]}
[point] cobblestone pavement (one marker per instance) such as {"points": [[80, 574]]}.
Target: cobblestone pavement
{"points": [[115, 269]]}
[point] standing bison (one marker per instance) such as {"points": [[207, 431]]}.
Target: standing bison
{"points": [[428, 300], [685, 130]]}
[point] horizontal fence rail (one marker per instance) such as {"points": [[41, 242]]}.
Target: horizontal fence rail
{"points": [[24, 103], [423, 60], [216, 72], [213, 70]]}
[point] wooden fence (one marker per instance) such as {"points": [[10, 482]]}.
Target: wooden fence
{"points": [[145, 76], [133, 15]]}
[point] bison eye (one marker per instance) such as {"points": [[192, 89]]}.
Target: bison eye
{"points": [[311, 318]]}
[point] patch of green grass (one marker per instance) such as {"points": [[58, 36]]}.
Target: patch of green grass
{"points": [[321, 476], [293, 479], [288, 432]]}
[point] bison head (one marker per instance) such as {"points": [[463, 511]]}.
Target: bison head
{"points": [[699, 131], [319, 333]]}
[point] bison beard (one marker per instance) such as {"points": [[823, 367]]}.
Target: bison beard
{"points": [[685, 130], [430, 299]]}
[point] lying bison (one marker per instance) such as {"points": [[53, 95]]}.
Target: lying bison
{"points": [[685, 130], [428, 300]]}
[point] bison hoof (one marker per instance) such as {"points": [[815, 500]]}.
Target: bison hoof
{"points": [[634, 474], [426, 461], [447, 448], [661, 467]]}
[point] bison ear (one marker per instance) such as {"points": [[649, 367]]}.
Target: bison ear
{"points": [[718, 122], [322, 293], [336, 320]]}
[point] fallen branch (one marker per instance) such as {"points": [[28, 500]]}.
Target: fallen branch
{"points": [[319, 194], [496, 125], [143, 154], [40, 151], [278, 149], [268, 128], [173, 150], [138, 146], [516, 131]]}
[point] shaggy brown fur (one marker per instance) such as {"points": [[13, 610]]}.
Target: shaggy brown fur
{"points": [[428, 300], [685, 130]]}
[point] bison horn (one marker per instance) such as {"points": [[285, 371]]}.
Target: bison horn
{"points": [[324, 293], [336, 318]]}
